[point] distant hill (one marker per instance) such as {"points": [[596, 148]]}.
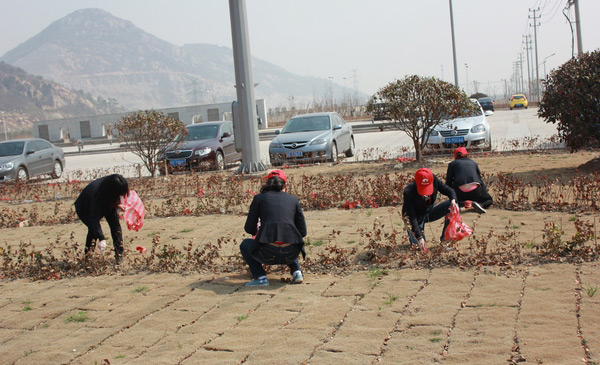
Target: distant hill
{"points": [[25, 98], [94, 51]]}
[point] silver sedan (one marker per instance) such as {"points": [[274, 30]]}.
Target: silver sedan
{"points": [[21, 159], [310, 138]]}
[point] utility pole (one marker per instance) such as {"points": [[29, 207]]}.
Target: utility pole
{"points": [[244, 88], [527, 46], [453, 45], [578, 28], [537, 68]]}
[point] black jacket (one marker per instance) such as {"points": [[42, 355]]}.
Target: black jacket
{"points": [[281, 219], [463, 171], [414, 205], [90, 210]]}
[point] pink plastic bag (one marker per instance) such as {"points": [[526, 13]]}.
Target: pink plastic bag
{"points": [[457, 229], [133, 210]]}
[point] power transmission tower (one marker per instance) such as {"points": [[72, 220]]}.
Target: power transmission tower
{"points": [[537, 68], [521, 69], [355, 87]]}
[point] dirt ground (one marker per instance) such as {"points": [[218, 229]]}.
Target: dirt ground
{"points": [[546, 313]]}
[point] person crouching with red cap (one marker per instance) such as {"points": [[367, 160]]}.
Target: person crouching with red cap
{"points": [[279, 238], [419, 205], [464, 177]]}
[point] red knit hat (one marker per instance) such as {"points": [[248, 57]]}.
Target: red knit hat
{"points": [[424, 180]]}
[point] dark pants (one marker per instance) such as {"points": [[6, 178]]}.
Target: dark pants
{"points": [[115, 232], [479, 195], [434, 214], [256, 254]]}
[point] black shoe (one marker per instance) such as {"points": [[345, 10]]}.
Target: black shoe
{"points": [[478, 208], [118, 260]]}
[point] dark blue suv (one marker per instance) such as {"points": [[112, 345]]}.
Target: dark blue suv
{"points": [[486, 103]]}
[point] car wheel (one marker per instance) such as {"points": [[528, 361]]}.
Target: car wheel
{"points": [[58, 170], [219, 161], [511, 108], [350, 151], [525, 107], [22, 174], [334, 152]]}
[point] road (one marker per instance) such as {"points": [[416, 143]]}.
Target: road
{"points": [[510, 129]]}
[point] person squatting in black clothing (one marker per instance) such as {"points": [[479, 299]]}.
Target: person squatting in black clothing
{"points": [[101, 198], [464, 177], [278, 240], [419, 205]]}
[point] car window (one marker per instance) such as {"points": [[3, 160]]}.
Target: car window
{"points": [[338, 120], [518, 97], [307, 124], [485, 100], [39, 145], [226, 129], [199, 132], [11, 148]]}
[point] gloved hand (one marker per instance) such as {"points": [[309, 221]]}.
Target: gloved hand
{"points": [[102, 245]]}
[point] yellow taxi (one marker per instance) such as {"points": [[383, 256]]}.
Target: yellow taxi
{"points": [[518, 100]]}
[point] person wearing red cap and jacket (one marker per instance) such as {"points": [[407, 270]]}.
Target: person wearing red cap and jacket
{"points": [[464, 177], [419, 205], [279, 237]]}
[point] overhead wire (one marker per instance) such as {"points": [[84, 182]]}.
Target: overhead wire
{"points": [[553, 10]]}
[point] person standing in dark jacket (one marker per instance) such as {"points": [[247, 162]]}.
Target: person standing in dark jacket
{"points": [[276, 220], [419, 205], [101, 198], [464, 177]]}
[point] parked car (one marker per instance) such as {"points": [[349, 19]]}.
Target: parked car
{"points": [[518, 100], [207, 146], [487, 103], [21, 159], [380, 112], [472, 131], [312, 137]]}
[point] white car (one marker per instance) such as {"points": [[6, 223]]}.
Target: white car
{"points": [[472, 131]]}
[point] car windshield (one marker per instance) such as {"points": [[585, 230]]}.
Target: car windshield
{"points": [[485, 100], [307, 124], [200, 132], [11, 148], [518, 97], [475, 112]]}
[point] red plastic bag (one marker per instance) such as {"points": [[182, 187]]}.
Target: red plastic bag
{"points": [[457, 229], [133, 210]]}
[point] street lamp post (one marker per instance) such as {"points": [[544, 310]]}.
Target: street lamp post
{"points": [[544, 62], [467, 75]]}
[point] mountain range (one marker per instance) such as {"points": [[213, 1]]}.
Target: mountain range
{"points": [[95, 52]]}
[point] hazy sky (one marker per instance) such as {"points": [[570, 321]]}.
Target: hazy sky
{"points": [[367, 42]]}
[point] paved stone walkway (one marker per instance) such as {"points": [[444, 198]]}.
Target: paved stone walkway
{"points": [[474, 316]]}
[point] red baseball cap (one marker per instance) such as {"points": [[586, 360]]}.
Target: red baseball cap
{"points": [[277, 173], [424, 180], [463, 152]]}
